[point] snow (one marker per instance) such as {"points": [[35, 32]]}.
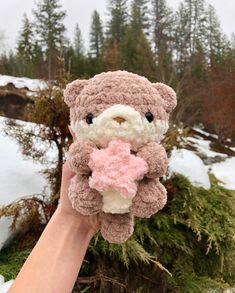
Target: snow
{"points": [[18, 177], [225, 172], [203, 147], [204, 132], [188, 164], [4, 287], [1, 280], [182, 162], [23, 82]]}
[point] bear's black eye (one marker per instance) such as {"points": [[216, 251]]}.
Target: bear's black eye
{"points": [[149, 116], [89, 118]]}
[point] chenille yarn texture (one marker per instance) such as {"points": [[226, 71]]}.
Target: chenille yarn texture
{"points": [[118, 119]]}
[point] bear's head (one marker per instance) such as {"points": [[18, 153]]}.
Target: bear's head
{"points": [[119, 105]]}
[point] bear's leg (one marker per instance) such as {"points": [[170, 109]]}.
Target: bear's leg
{"points": [[85, 200], [117, 228], [150, 198]]}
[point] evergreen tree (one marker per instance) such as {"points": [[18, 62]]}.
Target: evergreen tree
{"points": [[191, 29], [162, 34], [232, 46], [74, 55], [25, 42], [118, 20], [78, 41], [142, 6], [50, 30], [96, 35], [25, 48], [162, 19], [38, 61], [215, 38], [136, 51], [3, 63], [13, 64], [116, 28], [7, 63]]}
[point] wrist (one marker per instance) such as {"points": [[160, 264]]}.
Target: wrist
{"points": [[75, 221]]}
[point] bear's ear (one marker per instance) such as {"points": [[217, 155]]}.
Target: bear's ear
{"points": [[72, 90], [168, 95]]}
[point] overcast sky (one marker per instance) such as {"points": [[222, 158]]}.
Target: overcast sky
{"points": [[78, 11]]}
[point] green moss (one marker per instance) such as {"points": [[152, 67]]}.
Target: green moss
{"points": [[13, 256], [192, 238], [11, 261]]}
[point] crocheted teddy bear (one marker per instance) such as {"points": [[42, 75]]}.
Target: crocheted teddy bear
{"points": [[119, 119]]}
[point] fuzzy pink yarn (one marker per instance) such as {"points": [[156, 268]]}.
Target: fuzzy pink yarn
{"points": [[115, 168]]}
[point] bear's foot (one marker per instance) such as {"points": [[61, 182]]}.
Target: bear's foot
{"points": [[117, 228], [150, 198]]}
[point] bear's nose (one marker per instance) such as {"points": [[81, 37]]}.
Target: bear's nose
{"points": [[119, 119]]}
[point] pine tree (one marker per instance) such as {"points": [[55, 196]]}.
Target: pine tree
{"points": [[162, 34], [8, 64], [50, 30], [96, 35], [190, 30], [29, 54], [142, 6], [25, 42], [38, 61], [118, 20], [78, 41], [116, 29], [136, 52], [215, 37], [75, 60], [162, 20]]}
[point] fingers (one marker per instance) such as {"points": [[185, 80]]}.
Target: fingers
{"points": [[67, 175]]}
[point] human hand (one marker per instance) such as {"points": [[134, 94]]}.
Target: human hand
{"points": [[89, 224]]}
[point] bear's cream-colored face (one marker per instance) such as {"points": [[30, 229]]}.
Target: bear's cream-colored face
{"points": [[119, 105], [120, 122]]}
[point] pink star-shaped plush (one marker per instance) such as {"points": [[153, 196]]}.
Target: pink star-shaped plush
{"points": [[115, 168]]}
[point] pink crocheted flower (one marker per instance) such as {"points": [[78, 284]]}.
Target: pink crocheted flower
{"points": [[115, 168]]}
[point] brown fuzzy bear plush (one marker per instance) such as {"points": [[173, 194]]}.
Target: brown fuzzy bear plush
{"points": [[119, 119]]}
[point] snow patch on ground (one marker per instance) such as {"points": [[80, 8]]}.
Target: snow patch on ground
{"points": [[233, 149], [6, 233], [203, 147], [188, 164], [23, 82], [204, 132], [225, 172], [5, 286], [18, 177]]}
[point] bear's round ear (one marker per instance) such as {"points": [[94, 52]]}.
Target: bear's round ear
{"points": [[168, 95], [72, 90]]}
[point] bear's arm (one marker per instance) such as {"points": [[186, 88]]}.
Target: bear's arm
{"points": [[79, 156], [155, 156]]}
